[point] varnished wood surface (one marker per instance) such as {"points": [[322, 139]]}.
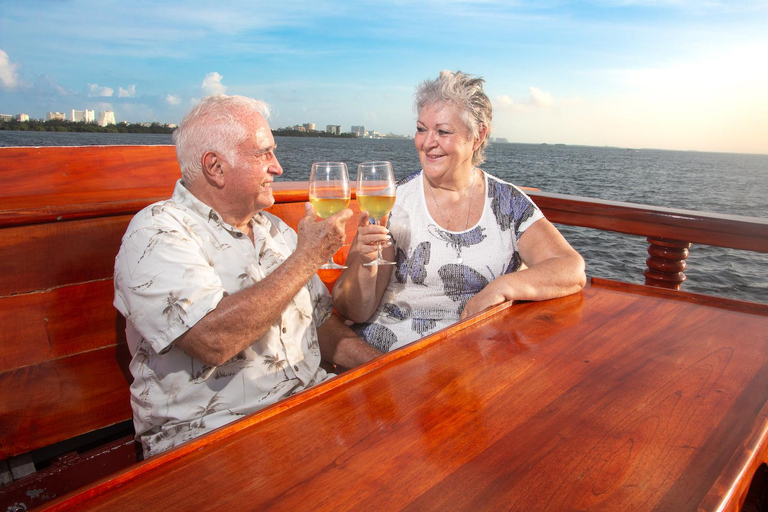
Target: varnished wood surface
{"points": [[621, 397]]}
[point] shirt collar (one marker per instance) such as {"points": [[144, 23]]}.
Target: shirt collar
{"points": [[182, 196]]}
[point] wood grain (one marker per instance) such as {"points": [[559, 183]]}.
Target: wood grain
{"points": [[571, 404], [60, 398]]}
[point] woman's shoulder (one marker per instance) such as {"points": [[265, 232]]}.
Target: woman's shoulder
{"points": [[409, 179], [498, 182], [498, 186]]}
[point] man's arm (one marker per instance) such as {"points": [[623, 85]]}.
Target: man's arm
{"points": [[243, 317], [342, 346]]}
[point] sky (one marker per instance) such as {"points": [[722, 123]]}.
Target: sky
{"points": [[666, 74]]}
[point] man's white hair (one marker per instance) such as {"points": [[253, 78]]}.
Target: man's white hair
{"points": [[217, 123]]}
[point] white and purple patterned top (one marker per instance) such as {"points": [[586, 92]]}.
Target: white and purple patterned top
{"points": [[438, 271], [178, 259]]}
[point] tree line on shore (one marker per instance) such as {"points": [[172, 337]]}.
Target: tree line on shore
{"points": [[62, 125]]}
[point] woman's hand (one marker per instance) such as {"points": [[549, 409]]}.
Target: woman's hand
{"points": [[359, 288], [368, 238], [488, 297]]}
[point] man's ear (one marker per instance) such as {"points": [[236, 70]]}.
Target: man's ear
{"points": [[213, 167]]}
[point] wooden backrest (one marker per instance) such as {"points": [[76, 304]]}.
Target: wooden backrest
{"points": [[63, 354]]}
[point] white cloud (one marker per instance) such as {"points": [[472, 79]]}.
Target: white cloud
{"points": [[9, 72], [96, 90], [173, 100], [504, 102], [212, 84], [540, 98], [130, 92], [536, 99]]}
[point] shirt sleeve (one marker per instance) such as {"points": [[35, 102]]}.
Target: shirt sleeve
{"points": [[321, 300], [529, 213], [164, 283]]}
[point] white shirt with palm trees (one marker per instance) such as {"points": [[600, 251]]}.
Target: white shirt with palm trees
{"points": [[176, 262]]}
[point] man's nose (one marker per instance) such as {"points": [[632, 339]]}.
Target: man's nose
{"points": [[275, 167]]}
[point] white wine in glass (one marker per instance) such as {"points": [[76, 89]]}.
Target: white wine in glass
{"points": [[329, 192], [376, 194]]}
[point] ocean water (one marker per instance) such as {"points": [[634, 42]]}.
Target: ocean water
{"points": [[735, 184]]}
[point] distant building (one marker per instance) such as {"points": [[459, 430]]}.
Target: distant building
{"points": [[299, 128], [106, 117], [359, 130], [55, 116], [310, 127], [82, 116], [6, 117], [334, 129], [22, 117]]}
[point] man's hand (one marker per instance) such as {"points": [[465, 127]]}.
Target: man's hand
{"points": [[322, 238]]}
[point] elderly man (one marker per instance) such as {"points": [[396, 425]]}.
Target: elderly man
{"points": [[225, 313]]}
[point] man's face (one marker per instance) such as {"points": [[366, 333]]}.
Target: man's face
{"points": [[253, 168]]}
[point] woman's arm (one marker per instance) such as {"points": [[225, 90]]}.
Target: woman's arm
{"points": [[555, 269], [359, 289]]}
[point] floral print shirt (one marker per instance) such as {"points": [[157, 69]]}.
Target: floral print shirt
{"points": [[178, 259], [437, 270]]}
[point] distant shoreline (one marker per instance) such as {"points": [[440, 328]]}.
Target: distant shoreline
{"points": [[59, 125], [70, 126], [297, 133]]}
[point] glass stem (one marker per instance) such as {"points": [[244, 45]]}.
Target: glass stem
{"points": [[378, 246]]}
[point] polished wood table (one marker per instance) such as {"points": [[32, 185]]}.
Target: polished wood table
{"points": [[621, 397]]}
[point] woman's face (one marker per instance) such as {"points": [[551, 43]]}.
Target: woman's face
{"points": [[444, 142]]}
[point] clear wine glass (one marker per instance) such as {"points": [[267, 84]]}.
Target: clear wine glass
{"points": [[329, 192], [376, 194]]}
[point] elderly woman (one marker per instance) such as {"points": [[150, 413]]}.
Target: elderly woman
{"points": [[462, 240]]}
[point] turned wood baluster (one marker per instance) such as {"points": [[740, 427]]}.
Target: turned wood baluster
{"points": [[666, 263]]}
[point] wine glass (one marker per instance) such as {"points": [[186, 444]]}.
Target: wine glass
{"points": [[376, 194], [329, 193]]}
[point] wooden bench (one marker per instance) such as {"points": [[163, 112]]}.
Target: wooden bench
{"points": [[63, 354]]}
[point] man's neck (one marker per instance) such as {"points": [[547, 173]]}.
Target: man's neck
{"points": [[236, 219]]}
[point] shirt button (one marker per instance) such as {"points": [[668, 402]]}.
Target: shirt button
{"points": [[296, 367], [239, 234], [285, 330]]}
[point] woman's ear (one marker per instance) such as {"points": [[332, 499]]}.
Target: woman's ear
{"points": [[482, 134]]}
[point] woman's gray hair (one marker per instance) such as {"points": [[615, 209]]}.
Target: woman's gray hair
{"points": [[465, 91], [217, 123]]}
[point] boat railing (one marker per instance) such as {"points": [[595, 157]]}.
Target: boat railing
{"points": [[670, 232]]}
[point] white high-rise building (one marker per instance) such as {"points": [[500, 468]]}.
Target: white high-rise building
{"points": [[82, 116], [359, 130], [61, 116], [106, 117], [22, 117], [333, 128]]}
